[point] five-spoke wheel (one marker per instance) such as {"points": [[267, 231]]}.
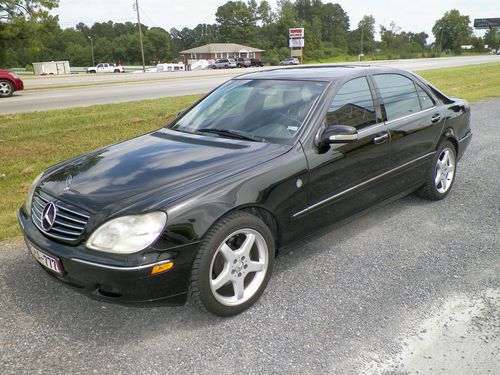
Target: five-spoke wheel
{"points": [[445, 170], [6, 88], [442, 174], [233, 265], [239, 267]]}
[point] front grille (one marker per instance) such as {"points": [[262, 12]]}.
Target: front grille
{"points": [[69, 224]]}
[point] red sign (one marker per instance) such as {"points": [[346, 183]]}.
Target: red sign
{"points": [[297, 32]]}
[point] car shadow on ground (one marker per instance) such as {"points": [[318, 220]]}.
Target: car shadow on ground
{"points": [[37, 296]]}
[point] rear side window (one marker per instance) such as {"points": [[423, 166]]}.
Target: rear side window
{"points": [[425, 100], [399, 95], [353, 105]]}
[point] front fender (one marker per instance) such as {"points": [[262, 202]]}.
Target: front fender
{"points": [[271, 187]]}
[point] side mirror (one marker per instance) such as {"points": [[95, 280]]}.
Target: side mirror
{"points": [[339, 134]]}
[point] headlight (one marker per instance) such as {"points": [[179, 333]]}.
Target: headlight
{"points": [[128, 234], [31, 191]]}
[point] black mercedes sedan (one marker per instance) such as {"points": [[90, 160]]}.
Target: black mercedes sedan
{"points": [[199, 209]]}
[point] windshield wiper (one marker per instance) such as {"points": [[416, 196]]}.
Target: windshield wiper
{"points": [[231, 134]]}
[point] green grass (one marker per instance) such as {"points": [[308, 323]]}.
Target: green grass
{"points": [[30, 142], [478, 82]]}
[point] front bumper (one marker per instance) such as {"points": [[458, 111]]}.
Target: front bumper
{"points": [[18, 84], [128, 284]]}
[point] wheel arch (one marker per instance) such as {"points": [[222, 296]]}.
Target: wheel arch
{"points": [[449, 135], [267, 217]]}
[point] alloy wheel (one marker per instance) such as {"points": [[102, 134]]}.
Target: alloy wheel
{"points": [[239, 267], [5, 88], [445, 170]]}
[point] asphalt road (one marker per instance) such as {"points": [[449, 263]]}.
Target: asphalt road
{"points": [[108, 89], [412, 287]]}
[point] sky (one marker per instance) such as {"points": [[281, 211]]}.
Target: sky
{"points": [[410, 15]]}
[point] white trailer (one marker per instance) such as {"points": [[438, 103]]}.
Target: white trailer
{"points": [[51, 67]]}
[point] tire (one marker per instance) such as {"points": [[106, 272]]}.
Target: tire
{"points": [[441, 175], [6, 88], [233, 266], [92, 71], [226, 66], [117, 71], [238, 66]]}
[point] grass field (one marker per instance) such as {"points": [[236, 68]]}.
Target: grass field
{"points": [[30, 142]]}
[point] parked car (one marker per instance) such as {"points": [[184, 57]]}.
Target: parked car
{"points": [[243, 62], [9, 83], [224, 63], [200, 208], [290, 61], [106, 68], [256, 62]]}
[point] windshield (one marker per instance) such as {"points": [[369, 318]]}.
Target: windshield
{"points": [[262, 110]]}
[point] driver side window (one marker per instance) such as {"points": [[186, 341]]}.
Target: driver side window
{"points": [[353, 105]]}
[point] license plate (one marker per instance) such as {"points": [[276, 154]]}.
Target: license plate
{"points": [[50, 262]]}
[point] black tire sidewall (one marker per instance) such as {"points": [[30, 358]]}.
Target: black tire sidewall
{"points": [[208, 249]]}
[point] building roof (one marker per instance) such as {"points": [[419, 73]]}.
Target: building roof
{"points": [[222, 47]]}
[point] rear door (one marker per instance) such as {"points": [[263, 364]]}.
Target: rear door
{"points": [[414, 120]]}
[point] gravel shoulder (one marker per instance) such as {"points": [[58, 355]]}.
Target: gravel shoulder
{"points": [[412, 287]]}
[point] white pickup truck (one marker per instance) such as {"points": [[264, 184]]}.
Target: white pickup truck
{"points": [[106, 68]]}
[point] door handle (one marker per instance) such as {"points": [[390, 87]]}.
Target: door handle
{"points": [[381, 138], [435, 118]]}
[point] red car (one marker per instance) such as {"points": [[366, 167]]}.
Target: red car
{"points": [[9, 83]]}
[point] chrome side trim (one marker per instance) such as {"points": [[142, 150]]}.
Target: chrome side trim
{"points": [[326, 200], [118, 268]]}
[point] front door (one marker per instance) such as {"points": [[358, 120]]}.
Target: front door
{"points": [[345, 178]]}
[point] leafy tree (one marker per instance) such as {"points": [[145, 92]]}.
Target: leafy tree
{"points": [[477, 44], [335, 25], [157, 45], [363, 38], [265, 13], [492, 39], [451, 31], [236, 22], [22, 24], [401, 44], [10, 9]]}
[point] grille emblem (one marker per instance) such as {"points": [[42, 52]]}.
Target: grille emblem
{"points": [[49, 216]]}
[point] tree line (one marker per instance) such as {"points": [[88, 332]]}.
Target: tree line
{"points": [[28, 33]]}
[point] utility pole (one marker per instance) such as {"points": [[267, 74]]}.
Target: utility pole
{"points": [[441, 43], [92, 47], [361, 50], [140, 35]]}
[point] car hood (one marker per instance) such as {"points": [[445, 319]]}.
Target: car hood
{"points": [[165, 164]]}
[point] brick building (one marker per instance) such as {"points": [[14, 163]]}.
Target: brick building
{"points": [[215, 51]]}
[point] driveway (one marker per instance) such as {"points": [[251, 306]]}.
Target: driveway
{"points": [[411, 287]]}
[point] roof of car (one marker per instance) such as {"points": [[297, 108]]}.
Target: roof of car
{"points": [[317, 73]]}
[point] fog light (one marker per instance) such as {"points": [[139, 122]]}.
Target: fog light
{"points": [[162, 268]]}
